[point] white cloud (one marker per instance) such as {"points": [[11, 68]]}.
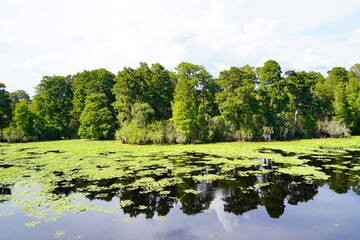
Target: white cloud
{"points": [[45, 37]]}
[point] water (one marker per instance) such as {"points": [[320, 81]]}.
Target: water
{"points": [[198, 197]]}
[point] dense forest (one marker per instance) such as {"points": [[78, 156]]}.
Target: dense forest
{"points": [[151, 104]]}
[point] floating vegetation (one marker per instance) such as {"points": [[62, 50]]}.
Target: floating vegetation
{"points": [[192, 191], [49, 180], [59, 234], [32, 223], [314, 172]]}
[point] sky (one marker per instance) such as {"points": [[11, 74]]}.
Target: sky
{"points": [[51, 37]]}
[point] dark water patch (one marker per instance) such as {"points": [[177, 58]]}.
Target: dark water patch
{"points": [[27, 158], [6, 165], [5, 190], [278, 151], [331, 148], [45, 152], [102, 167], [92, 189], [53, 151], [36, 168], [58, 173], [27, 148], [106, 153], [33, 153]]}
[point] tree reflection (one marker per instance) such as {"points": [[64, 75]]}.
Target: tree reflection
{"points": [[4, 190], [243, 188]]}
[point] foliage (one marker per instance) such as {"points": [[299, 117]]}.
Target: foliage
{"points": [[335, 129], [150, 104], [17, 96], [96, 120], [24, 119], [5, 109], [52, 106], [237, 100], [274, 99], [301, 88], [89, 82], [193, 102], [13, 134]]}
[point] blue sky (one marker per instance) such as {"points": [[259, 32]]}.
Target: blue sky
{"points": [[47, 37]]}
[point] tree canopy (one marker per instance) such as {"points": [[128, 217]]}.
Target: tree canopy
{"points": [[150, 104]]}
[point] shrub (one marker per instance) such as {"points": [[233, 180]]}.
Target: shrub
{"points": [[181, 138], [267, 133], [130, 133], [13, 134], [170, 132], [244, 134], [334, 129], [157, 133]]}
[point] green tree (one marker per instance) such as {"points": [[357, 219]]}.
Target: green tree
{"points": [[301, 88], [5, 109], [352, 92], [154, 86], [337, 81], [325, 90], [131, 87], [96, 120], [162, 85], [237, 98], [274, 100], [135, 130], [24, 119], [354, 71], [17, 96], [193, 101], [143, 96], [52, 107], [87, 83]]}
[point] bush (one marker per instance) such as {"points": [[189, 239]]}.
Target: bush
{"points": [[334, 129], [181, 138], [157, 133], [170, 132], [267, 133], [222, 130], [132, 134], [13, 134], [244, 134]]}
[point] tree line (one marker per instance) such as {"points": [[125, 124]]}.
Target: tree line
{"points": [[151, 104]]}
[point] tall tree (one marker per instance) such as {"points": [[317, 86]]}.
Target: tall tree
{"points": [[131, 86], [352, 92], [5, 109], [273, 98], [193, 101], [96, 120], [87, 83], [17, 96], [153, 86], [24, 119], [237, 97], [52, 106], [301, 88], [162, 85], [337, 81]]}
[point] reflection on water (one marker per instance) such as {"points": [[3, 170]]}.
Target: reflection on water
{"points": [[243, 189], [196, 183]]}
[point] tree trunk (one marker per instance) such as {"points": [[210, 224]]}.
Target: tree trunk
{"points": [[296, 122]]}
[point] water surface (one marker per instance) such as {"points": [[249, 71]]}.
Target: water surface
{"points": [[186, 196]]}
